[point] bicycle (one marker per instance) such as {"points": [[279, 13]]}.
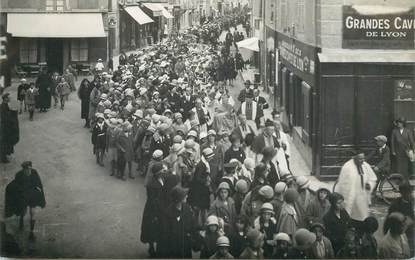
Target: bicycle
{"points": [[387, 187]]}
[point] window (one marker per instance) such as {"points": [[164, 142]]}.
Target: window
{"points": [[404, 100], [28, 51], [79, 50], [50, 5]]}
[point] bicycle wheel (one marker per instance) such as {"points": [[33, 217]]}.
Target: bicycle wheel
{"points": [[389, 188]]}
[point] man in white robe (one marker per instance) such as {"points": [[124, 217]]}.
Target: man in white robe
{"points": [[356, 182]]}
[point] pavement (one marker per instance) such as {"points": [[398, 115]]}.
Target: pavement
{"points": [[89, 214]]}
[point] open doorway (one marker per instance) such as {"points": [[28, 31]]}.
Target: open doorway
{"points": [[54, 55]]}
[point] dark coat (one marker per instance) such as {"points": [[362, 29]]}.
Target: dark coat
{"points": [[336, 228], [125, 146], [381, 159], [99, 136], [400, 144], [21, 90], [261, 105], [24, 191], [84, 93], [259, 143], [231, 154], [44, 83], [163, 143], [151, 214], [177, 228], [199, 192], [9, 129]]}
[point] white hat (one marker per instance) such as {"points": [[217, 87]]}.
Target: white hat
{"points": [[302, 182], [157, 154]]}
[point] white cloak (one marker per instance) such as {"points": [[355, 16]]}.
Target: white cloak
{"points": [[356, 198]]}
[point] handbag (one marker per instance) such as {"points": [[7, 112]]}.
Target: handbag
{"points": [[411, 155]]}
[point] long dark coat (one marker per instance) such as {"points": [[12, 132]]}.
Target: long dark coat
{"points": [[151, 215], [84, 92], [178, 227], [44, 83], [99, 136], [199, 192], [336, 228], [9, 129], [400, 143], [22, 192]]}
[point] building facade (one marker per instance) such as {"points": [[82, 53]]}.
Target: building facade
{"points": [[55, 33], [345, 71]]}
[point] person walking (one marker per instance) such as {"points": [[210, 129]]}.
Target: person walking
{"points": [[30, 99], [25, 191], [84, 93], [21, 94], [63, 90], [356, 182], [99, 138], [43, 83]]}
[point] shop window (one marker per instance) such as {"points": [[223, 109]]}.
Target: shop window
{"points": [[88, 4], [28, 51], [60, 5], [404, 101], [79, 50]]}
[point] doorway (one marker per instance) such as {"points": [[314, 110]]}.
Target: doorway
{"points": [[54, 55]]}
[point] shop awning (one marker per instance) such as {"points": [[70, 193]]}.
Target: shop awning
{"points": [[250, 44], [366, 56], [158, 9], [138, 15], [63, 25]]}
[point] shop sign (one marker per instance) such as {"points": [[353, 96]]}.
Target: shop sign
{"points": [[299, 56], [378, 27]]}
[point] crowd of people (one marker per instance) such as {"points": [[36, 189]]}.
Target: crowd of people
{"points": [[217, 172], [217, 169]]}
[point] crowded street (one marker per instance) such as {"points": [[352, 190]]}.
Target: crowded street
{"points": [[199, 134]]}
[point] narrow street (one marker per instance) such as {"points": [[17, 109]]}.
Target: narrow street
{"points": [[89, 214]]}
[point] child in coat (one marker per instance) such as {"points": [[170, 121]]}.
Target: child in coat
{"points": [[267, 225], [282, 246], [223, 244], [321, 248], [224, 207], [368, 242], [238, 237], [62, 91], [210, 236]]}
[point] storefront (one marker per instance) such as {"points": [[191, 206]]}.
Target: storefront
{"points": [[76, 39], [298, 80], [364, 86], [135, 28], [160, 16]]}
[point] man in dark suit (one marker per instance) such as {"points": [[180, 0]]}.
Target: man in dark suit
{"points": [[241, 96], [267, 138], [187, 103], [243, 128], [380, 158], [261, 105], [401, 142]]}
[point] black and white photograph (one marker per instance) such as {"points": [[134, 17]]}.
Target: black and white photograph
{"points": [[207, 129]]}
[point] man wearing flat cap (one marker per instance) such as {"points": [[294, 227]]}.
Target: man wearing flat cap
{"points": [[25, 191], [381, 157]]}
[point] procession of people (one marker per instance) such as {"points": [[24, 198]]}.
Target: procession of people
{"points": [[215, 166]]}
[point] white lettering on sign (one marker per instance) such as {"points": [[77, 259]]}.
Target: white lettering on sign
{"points": [[294, 56], [379, 24]]}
